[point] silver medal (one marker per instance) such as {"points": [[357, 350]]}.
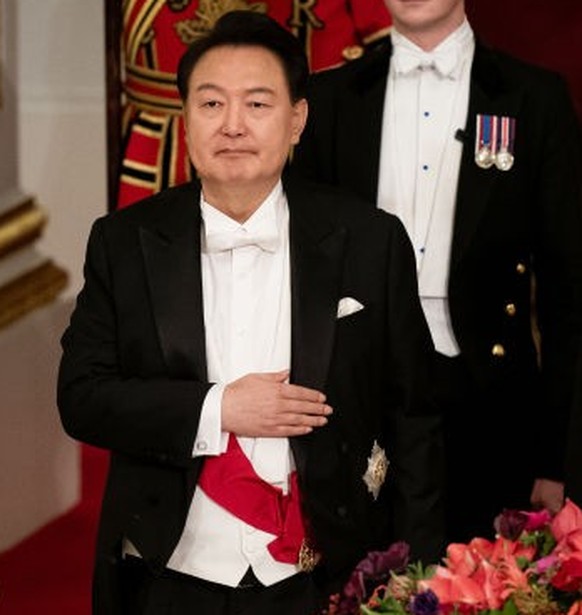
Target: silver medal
{"points": [[484, 158], [504, 160]]}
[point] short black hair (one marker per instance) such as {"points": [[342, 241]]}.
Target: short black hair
{"points": [[249, 28]]}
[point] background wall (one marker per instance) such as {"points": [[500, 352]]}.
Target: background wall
{"points": [[61, 102], [52, 139], [546, 33]]}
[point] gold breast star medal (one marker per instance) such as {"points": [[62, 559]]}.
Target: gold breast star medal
{"points": [[375, 474], [486, 141], [504, 159]]}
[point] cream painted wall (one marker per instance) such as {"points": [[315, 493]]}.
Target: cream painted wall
{"points": [[62, 130], [56, 73]]}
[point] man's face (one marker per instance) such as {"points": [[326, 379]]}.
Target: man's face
{"points": [[240, 121], [418, 17]]}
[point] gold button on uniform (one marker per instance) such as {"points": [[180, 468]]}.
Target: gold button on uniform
{"points": [[510, 309], [352, 52], [521, 268], [498, 350]]}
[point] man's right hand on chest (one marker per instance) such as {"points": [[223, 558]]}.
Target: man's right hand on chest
{"points": [[266, 405]]}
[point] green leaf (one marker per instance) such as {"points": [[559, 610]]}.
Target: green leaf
{"points": [[509, 608], [389, 606], [381, 609]]}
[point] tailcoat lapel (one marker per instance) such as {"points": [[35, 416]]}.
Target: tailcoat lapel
{"points": [[317, 249], [171, 250]]}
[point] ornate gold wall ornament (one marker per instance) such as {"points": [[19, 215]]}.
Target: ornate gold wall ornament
{"points": [[209, 12], [31, 290], [20, 226], [1, 62]]}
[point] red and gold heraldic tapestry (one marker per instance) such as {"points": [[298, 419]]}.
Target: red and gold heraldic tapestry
{"points": [[157, 32]]}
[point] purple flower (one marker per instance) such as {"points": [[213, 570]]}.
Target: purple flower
{"points": [[348, 605], [377, 564], [510, 523], [425, 603], [355, 587]]}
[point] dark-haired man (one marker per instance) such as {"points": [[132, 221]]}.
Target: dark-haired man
{"points": [[252, 351], [479, 155]]}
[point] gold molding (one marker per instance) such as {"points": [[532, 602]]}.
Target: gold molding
{"points": [[1, 59], [20, 226], [31, 290]]}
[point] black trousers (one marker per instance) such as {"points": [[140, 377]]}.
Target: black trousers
{"points": [[173, 593], [487, 454]]}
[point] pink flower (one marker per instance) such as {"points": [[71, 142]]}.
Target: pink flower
{"points": [[455, 591], [568, 577], [537, 520], [566, 521], [538, 572], [512, 577], [570, 543], [546, 563], [462, 559], [504, 549], [489, 579], [482, 546], [576, 608]]}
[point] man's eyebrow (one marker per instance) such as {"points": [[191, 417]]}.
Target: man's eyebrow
{"points": [[203, 87]]}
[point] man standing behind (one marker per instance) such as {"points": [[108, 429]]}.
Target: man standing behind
{"points": [[479, 156], [252, 351]]}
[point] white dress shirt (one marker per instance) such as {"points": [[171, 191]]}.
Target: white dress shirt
{"points": [[247, 317], [426, 102]]}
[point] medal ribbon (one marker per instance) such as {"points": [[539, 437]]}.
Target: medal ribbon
{"points": [[507, 134], [479, 136], [487, 139], [486, 133], [494, 134], [231, 481]]}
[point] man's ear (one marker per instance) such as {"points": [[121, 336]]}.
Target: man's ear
{"points": [[300, 113]]}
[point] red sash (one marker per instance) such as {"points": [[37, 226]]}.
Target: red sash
{"points": [[231, 481]]}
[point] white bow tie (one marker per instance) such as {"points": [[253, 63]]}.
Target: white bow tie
{"points": [[444, 62], [240, 238]]}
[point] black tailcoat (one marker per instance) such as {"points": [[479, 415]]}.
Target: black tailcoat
{"points": [[133, 377]]}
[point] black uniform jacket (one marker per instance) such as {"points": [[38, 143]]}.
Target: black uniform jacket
{"points": [[516, 254]]}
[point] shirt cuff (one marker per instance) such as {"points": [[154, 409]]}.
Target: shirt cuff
{"points": [[210, 439]]}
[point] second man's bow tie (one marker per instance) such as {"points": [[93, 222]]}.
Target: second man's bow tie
{"points": [[444, 62], [240, 238]]}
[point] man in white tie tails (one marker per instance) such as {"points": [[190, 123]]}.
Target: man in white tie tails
{"points": [[479, 155], [252, 351]]}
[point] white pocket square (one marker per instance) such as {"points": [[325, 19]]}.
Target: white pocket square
{"points": [[347, 306]]}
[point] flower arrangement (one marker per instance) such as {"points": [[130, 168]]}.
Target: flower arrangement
{"points": [[533, 567]]}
